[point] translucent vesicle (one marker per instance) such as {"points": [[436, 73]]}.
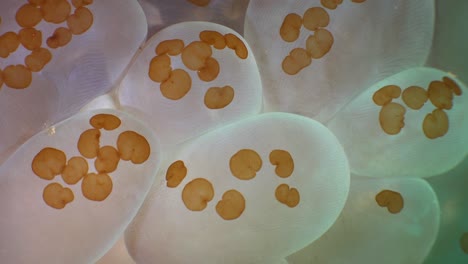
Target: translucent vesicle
{"points": [[414, 150], [369, 41], [176, 119], [62, 218], [451, 244], [367, 232], [267, 228], [88, 66]]}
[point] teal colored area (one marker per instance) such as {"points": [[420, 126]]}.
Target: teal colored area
{"points": [[450, 53], [451, 189]]}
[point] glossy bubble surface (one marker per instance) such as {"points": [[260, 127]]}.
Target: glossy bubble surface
{"points": [[409, 152], [37, 226], [190, 224], [368, 233]]}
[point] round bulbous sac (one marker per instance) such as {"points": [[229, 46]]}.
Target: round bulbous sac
{"points": [[383, 221], [83, 55], [230, 192], [420, 132], [54, 198], [346, 49], [190, 78]]}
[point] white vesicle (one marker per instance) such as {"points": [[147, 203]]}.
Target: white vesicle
{"points": [[83, 230], [267, 231], [177, 120], [91, 64], [367, 233], [372, 152], [372, 40]]}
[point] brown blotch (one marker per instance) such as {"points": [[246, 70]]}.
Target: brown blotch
{"points": [[297, 60], [195, 54], [88, 143], [55, 11], [440, 95], [315, 18], [283, 161], [197, 194], [200, 2], [80, 21], [231, 206], [76, 169], [291, 27], [319, 44], [358, 1], [171, 47], [160, 68], [245, 164], [435, 124], [454, 87], [217, 97], [213, 38], [133, 146], [414, 97], [80, 3], [107, 159], [331, 4], [386, 94], [288, 196], [56, 196], [177, 85], [61, 37], [96, 187], [17, 76], [106, 121], [48, 163], [28, 16], [9, 43], [30, 38], [38, 59], [236, 44], [392, 117], [390, 199], [175, 174]]}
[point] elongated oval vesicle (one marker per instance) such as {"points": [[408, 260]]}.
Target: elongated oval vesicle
{"points": [[80, 68], [183, 105], [396, 140], [366, 232], [212, 207], [362, 44], [87, 211]]}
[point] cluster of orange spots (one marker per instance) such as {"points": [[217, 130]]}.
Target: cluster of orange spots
{"points": [[314, 19], [199, 192], [27, 17], [439, 93], [317, 45], [390, 199], [244, 165], [196, 56], [50, 162], [200, 2]]}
